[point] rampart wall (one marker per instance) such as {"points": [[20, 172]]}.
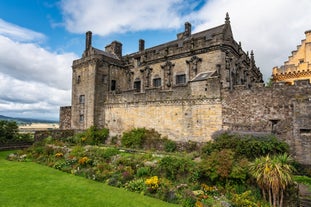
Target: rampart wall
{"points": [[177, 113], [283, 110]]}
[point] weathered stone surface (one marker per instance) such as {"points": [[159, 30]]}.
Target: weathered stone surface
{"points": [[65, 117], [284, 111]]}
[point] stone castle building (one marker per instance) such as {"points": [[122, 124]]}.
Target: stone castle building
{"points": [[298, 65], [186, 89]]}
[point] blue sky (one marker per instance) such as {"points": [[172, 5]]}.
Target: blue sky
{"points": [[40, 38]]}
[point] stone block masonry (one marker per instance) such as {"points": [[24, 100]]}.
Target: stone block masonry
{"points": [[180, 120], [282, 110]]}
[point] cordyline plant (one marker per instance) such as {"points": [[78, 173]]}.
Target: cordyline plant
{"points": [[273, 176]]}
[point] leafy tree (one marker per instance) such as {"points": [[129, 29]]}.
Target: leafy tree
{"points": [[8, 131], [273, 176]]}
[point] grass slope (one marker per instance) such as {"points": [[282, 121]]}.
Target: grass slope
{"points": [[30, 184]]}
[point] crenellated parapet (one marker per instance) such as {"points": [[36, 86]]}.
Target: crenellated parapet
{"points": [[298, 65]]}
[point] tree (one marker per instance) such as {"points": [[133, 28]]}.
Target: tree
{"points": [[273, 176], [8, 131]]}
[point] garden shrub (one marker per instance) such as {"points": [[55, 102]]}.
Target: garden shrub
{"points": [[136, 185], [109, 152], [134, 138], [246, 145], [244, 199], [78, 151], [141, 138], [92, 136], [170, 146], [176, 167], [143, 171], [220, 166]]}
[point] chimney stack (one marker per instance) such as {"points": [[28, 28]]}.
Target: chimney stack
{"points": [[115, 48], [88, 40], [187, 29], [141, 45]]}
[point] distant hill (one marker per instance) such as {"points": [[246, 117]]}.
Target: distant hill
{"points": [[26, 120]]}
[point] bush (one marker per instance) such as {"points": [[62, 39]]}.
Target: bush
{"points": [[143, 171], [134, 138], [246, 145], [136, 185], [170, 146], [92, 136], [173, 168]]}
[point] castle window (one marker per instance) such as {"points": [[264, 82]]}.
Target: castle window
{"points": [[78, 79], [137, 85], [180, 79], [301, 60], [113, 85], [82, 99], [157, 82], [81, 118]]}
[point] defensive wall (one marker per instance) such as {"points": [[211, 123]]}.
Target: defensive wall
{"points": [[282, 109]]}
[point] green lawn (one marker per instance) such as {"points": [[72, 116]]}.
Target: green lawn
{"points": [[30, 184]]}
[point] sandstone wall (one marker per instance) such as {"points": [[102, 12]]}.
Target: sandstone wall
{"points": [[179, 120]]}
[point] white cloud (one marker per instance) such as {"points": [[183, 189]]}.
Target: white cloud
{"points": [[30, 98], [30, 62], [105, 16], [18, 33], [271, 28], [34, 82]]}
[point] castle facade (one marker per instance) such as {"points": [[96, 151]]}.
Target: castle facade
{"points": [[186, 89]]}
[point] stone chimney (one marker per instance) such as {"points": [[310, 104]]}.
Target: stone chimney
{"points": [[88, 40], [187, 32], [141, 45], [115, 48]]}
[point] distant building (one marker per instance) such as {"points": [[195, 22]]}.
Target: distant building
{"points": [[298, 65]]}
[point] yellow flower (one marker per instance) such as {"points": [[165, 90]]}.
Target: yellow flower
{"points": [[153, 182], [59, 154], [83, 160]]}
